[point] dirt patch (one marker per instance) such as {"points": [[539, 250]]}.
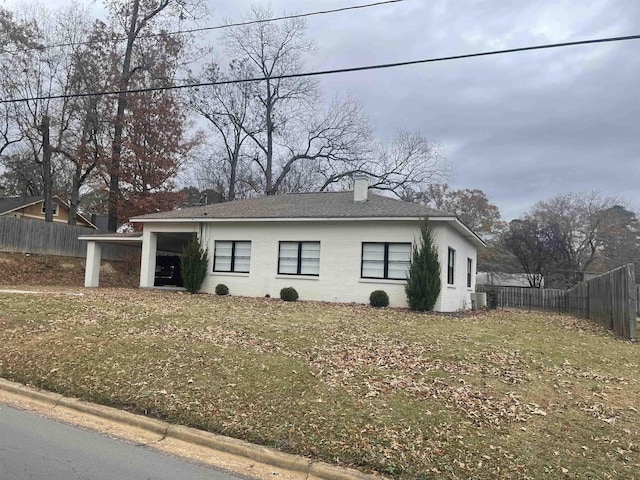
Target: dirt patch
{"points": [[20, 269]]}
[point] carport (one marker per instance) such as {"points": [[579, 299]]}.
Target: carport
{"points": [[151, 243]]}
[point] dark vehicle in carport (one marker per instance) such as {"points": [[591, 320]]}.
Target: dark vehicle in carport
{"points": [[168, 271]]}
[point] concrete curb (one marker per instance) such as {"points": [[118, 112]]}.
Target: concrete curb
{"points": [[240, 448]]}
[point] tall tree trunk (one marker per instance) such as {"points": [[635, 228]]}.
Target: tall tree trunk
{"points": [[233, 175], [74, 199], [269, 127], [116, 153], [46, 170]]}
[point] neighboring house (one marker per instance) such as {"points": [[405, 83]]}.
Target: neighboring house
{"points": [[331, 246], [500, 279], [33, 208]]}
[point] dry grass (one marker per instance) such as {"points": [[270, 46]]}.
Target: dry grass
{"points": [[38, 270], [492, 395]]}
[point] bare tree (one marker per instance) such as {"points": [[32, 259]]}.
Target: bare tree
{"points": [[22, 176], [405, 164], [228, 110], [32, 73], [71, 154], [583, 220], [537, 248], [304, 145], [274, 49], [12, 36], [335, 142]]}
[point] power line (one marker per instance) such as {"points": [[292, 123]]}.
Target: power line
{"points": [[205, 29], [334, 71]]}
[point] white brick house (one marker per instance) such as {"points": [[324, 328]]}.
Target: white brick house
{"points": [[331, 246]]}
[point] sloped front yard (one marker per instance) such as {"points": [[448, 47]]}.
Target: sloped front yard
{"points": [[493, 395]]}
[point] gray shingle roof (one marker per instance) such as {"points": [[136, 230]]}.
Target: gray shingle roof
{"points": [[8, 204], [303, 205]]}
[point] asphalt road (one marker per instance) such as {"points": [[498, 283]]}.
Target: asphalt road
{"points": [[34, 448]]}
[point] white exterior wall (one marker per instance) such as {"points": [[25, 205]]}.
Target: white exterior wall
{"points": [[457, 296], [340, 258]]}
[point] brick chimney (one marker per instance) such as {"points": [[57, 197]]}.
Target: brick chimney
{"points": [[2, 191], [360, 187]]}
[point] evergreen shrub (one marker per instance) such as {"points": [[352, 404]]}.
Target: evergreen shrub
{"points": [[289, 294], [379, 298], [423, 282], [194, 263]]}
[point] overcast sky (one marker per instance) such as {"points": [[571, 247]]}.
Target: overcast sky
{"points": [[521, 127]]}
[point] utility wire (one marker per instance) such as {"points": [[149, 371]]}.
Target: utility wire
{"points": [[334, 71], [204, 29]]}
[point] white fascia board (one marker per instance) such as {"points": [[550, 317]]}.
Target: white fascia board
{"points": [[273, 219], [99, 238]]}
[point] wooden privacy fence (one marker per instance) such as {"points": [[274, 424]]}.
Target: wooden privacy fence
{"points": [[523, 297], [610, 299], [19, 235]]}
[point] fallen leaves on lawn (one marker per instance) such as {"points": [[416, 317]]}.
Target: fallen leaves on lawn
{"points": [[472, 395]]}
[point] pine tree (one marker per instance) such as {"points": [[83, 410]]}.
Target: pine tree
{"points": [[194, 263], [423, 283]]}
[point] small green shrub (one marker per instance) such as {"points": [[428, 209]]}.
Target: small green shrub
{"points": [[379, 298], [289, 294], [222, 289]]}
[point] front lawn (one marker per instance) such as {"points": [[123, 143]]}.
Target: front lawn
{"points": [[499, 394]]}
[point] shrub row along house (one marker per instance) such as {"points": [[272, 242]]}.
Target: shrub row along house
{"points": [[329, 246]]}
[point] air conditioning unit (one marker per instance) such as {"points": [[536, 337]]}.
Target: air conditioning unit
{"points": [[478, 301]]}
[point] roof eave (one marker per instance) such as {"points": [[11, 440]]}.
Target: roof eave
{"points": [[465, 231], [20, 207], [274, 219], [452, 219]]}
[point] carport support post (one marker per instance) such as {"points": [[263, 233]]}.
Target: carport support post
{"points": [[148, 259], [92, 266]]}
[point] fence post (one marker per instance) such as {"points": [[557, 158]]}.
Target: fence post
{"points": [[588, 301], [629, 323]]}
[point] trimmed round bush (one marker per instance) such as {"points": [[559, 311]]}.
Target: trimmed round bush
{"points": [[379, 298], [289, 294], [222, 289]]}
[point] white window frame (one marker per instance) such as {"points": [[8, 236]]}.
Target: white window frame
{"points": [[451, 266], [386, 261], [233, 257], [300, 258]]}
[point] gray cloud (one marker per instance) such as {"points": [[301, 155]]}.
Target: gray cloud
{"points": [[522, 127]]}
